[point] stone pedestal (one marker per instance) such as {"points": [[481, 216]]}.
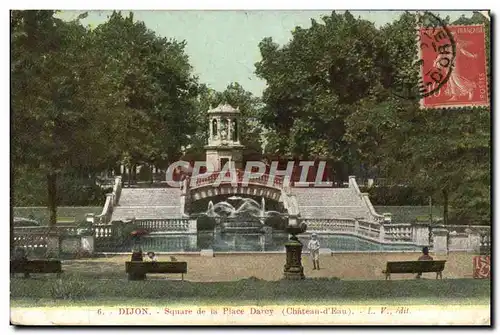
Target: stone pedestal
{"points": [[192, 226], [293, 267], [421, 234], [53, 245], [440, 240], [207, 253], [474, 241], [88, 244]]}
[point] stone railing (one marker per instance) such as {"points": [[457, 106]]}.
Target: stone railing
{"points": [[103, 231], [166, 225], [31, 239], [264, 179], [374, 216], [470, 238], [369, 230], [398, 232], [112, 199], [45, 230], [330, 225], [35, 238]]}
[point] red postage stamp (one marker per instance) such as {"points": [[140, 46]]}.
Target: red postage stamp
{"points": [[482, 267], [454, 69]]}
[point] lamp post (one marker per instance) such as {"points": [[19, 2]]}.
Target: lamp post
{"points": [[293, 267]]}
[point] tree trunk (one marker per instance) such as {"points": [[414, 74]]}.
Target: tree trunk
{"points": [[134, 174], [52, 200], [12, 241], [128, 169], [445, 206]]}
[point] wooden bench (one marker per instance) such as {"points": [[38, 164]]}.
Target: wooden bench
{"points": [[414, 267], [138, 270], [35, 266]]}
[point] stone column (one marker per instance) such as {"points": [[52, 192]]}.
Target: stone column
{"points": [[382, 233], [229, 130], [53, 245], [421, 234], [440, 239], [192, 226], [210, 129]]}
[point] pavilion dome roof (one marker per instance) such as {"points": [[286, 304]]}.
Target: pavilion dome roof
{"points": [[224, 108]]}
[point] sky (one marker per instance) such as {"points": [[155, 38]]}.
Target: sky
{"points": [[223, 45]]}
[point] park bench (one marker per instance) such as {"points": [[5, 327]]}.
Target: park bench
{"points": [[35, 266], [414, 267], [138, 270]]}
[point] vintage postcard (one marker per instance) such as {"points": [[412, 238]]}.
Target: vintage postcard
{"points": [[250, 167]]}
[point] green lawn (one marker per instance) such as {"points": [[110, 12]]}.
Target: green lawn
{"points": [[42, 215], [408, 214], [78, 291]]}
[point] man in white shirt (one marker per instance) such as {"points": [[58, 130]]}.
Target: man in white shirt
{"points": [[313, 247]]}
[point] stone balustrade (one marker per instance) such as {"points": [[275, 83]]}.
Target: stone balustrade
{"points": [[330, 225], [164, 225], [400, 232], [201, 180], [112, 199]]}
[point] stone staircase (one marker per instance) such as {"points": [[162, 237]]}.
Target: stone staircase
{"points": [[312, 203], [331, 203], [148, 203]]}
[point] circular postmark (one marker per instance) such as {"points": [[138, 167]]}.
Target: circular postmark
{"points": [[434, 62]]}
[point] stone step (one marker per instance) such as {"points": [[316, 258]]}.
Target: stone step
{"points": [[330, 203], [164, 212], [148, 203], [150, 197]]}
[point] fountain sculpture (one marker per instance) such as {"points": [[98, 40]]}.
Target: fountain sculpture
{"points": [[245, 216]]}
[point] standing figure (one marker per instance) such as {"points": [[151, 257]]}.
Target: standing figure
{"points": [[313, 247]]}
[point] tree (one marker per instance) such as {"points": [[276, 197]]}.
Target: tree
{"points": [[314, 84], [63, 99], [445, 152], [155, 76]]}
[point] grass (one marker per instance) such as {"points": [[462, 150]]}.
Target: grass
{"points": [[408, 214], [42, 215], [72, 290]]}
